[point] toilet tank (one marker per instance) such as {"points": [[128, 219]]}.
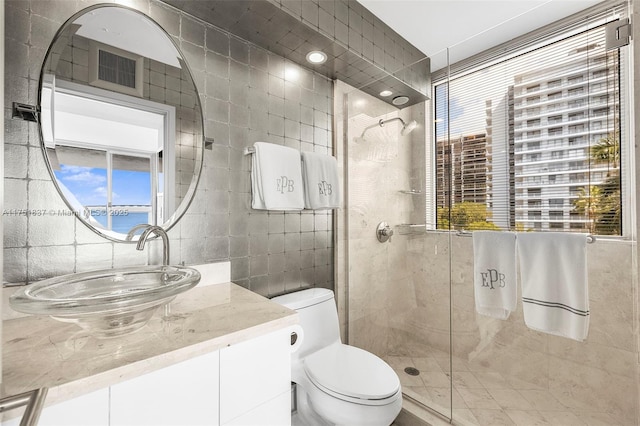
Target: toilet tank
{"points": [[318, 317]]}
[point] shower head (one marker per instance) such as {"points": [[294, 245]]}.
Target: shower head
{"points": [[406, 127], [409, 127]]}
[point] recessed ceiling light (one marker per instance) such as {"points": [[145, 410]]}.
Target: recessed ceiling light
{"points": [[400, 100], [386, 93], [316, 57]]}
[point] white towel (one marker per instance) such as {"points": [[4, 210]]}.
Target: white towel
{"points": [[276, 178], [494, 273], [321, 182], [555, 295]]}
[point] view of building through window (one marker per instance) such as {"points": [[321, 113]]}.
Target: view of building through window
{"points": [[533, 142]]}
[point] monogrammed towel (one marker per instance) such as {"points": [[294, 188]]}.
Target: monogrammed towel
{"points": [[276, 178], [555, 293], [494, 273], [321, 182]]}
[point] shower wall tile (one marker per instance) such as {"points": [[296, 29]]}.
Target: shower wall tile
{"points": [[248, 94]]}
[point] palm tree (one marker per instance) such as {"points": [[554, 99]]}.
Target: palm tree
{"points": [[607, 150], [601, 203]]}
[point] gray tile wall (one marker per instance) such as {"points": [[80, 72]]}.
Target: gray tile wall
{"points": [[248, 94], [361, 48], [353, 26]]}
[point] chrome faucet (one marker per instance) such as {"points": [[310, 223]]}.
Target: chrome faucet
{"points": [[148, 230]]}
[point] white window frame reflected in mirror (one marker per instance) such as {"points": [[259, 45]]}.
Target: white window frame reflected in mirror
{"points": [[151, 124]]}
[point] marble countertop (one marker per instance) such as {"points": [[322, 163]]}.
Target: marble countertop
{"points": [[39, 351]]}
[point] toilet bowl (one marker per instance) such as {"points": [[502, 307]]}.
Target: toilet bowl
{"points": [[337, 384]]}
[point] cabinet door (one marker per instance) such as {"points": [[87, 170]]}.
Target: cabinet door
{"points": [[276, 412], [91, 409], [253, 373], [182, 394]]}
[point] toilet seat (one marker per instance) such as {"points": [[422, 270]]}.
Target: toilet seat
{"points": [[352, 374]]}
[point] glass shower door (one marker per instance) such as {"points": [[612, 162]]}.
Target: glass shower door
{"points": [[536, 143], [396, 292]]}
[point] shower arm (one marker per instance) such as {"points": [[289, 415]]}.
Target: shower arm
{"points": [[381, 123]]}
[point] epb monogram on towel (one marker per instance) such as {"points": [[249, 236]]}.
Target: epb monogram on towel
{"points": [[491, 277], [325, 188], [284, 184]]}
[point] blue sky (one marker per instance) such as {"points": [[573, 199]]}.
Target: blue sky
{"points": [[441, 112], [89, 185]]}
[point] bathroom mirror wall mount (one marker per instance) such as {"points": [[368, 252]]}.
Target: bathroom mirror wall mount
{"points": [[121, 123]]}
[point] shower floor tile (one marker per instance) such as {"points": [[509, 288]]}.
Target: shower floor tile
{"points": [[485, 398]]}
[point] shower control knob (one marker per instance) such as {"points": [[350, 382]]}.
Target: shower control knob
{"points": [[384, 232]]}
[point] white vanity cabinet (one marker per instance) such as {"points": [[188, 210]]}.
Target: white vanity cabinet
{"points": [[255, 381], [91, 409], [181, 394], [243, 384]]}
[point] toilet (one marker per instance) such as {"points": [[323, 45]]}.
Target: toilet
{"points": [[336, 384]]}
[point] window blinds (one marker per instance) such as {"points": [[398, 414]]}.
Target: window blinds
{"points": [[534, 141]]}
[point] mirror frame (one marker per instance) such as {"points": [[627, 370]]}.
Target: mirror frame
{"points": [[181, 209]]}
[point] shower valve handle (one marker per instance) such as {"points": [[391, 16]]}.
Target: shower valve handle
{"points": [[384, 232]]}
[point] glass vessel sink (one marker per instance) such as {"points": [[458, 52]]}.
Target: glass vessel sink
{"points": [[109, 302]]}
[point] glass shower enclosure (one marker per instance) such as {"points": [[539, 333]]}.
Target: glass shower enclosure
{"points": [[506, 145]]}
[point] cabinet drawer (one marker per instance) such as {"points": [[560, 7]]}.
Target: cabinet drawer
{"points": [[254, 372]]}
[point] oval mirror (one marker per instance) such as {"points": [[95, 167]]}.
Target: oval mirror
{"points": [[121, 122]]}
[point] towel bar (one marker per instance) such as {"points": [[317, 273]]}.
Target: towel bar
{"points": [[249, 150], [462, 233]]}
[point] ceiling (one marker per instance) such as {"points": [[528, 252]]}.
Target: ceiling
{"points": [[468, 27]]}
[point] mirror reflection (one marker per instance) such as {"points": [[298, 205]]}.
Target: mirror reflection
{"points": [[121, 122]]}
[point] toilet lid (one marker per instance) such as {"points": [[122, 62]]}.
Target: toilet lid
{"points": [[351, 372]]}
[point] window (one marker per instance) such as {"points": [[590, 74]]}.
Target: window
{"points": [[109, 153], [576, 140], [554, 96], [534, 192], [554, 83], [579, 103], [576, 91], [537, 107], [575, 79]]}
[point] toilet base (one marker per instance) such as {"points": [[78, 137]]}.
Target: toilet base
{"points": [[318, 408], [304, 414]]}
